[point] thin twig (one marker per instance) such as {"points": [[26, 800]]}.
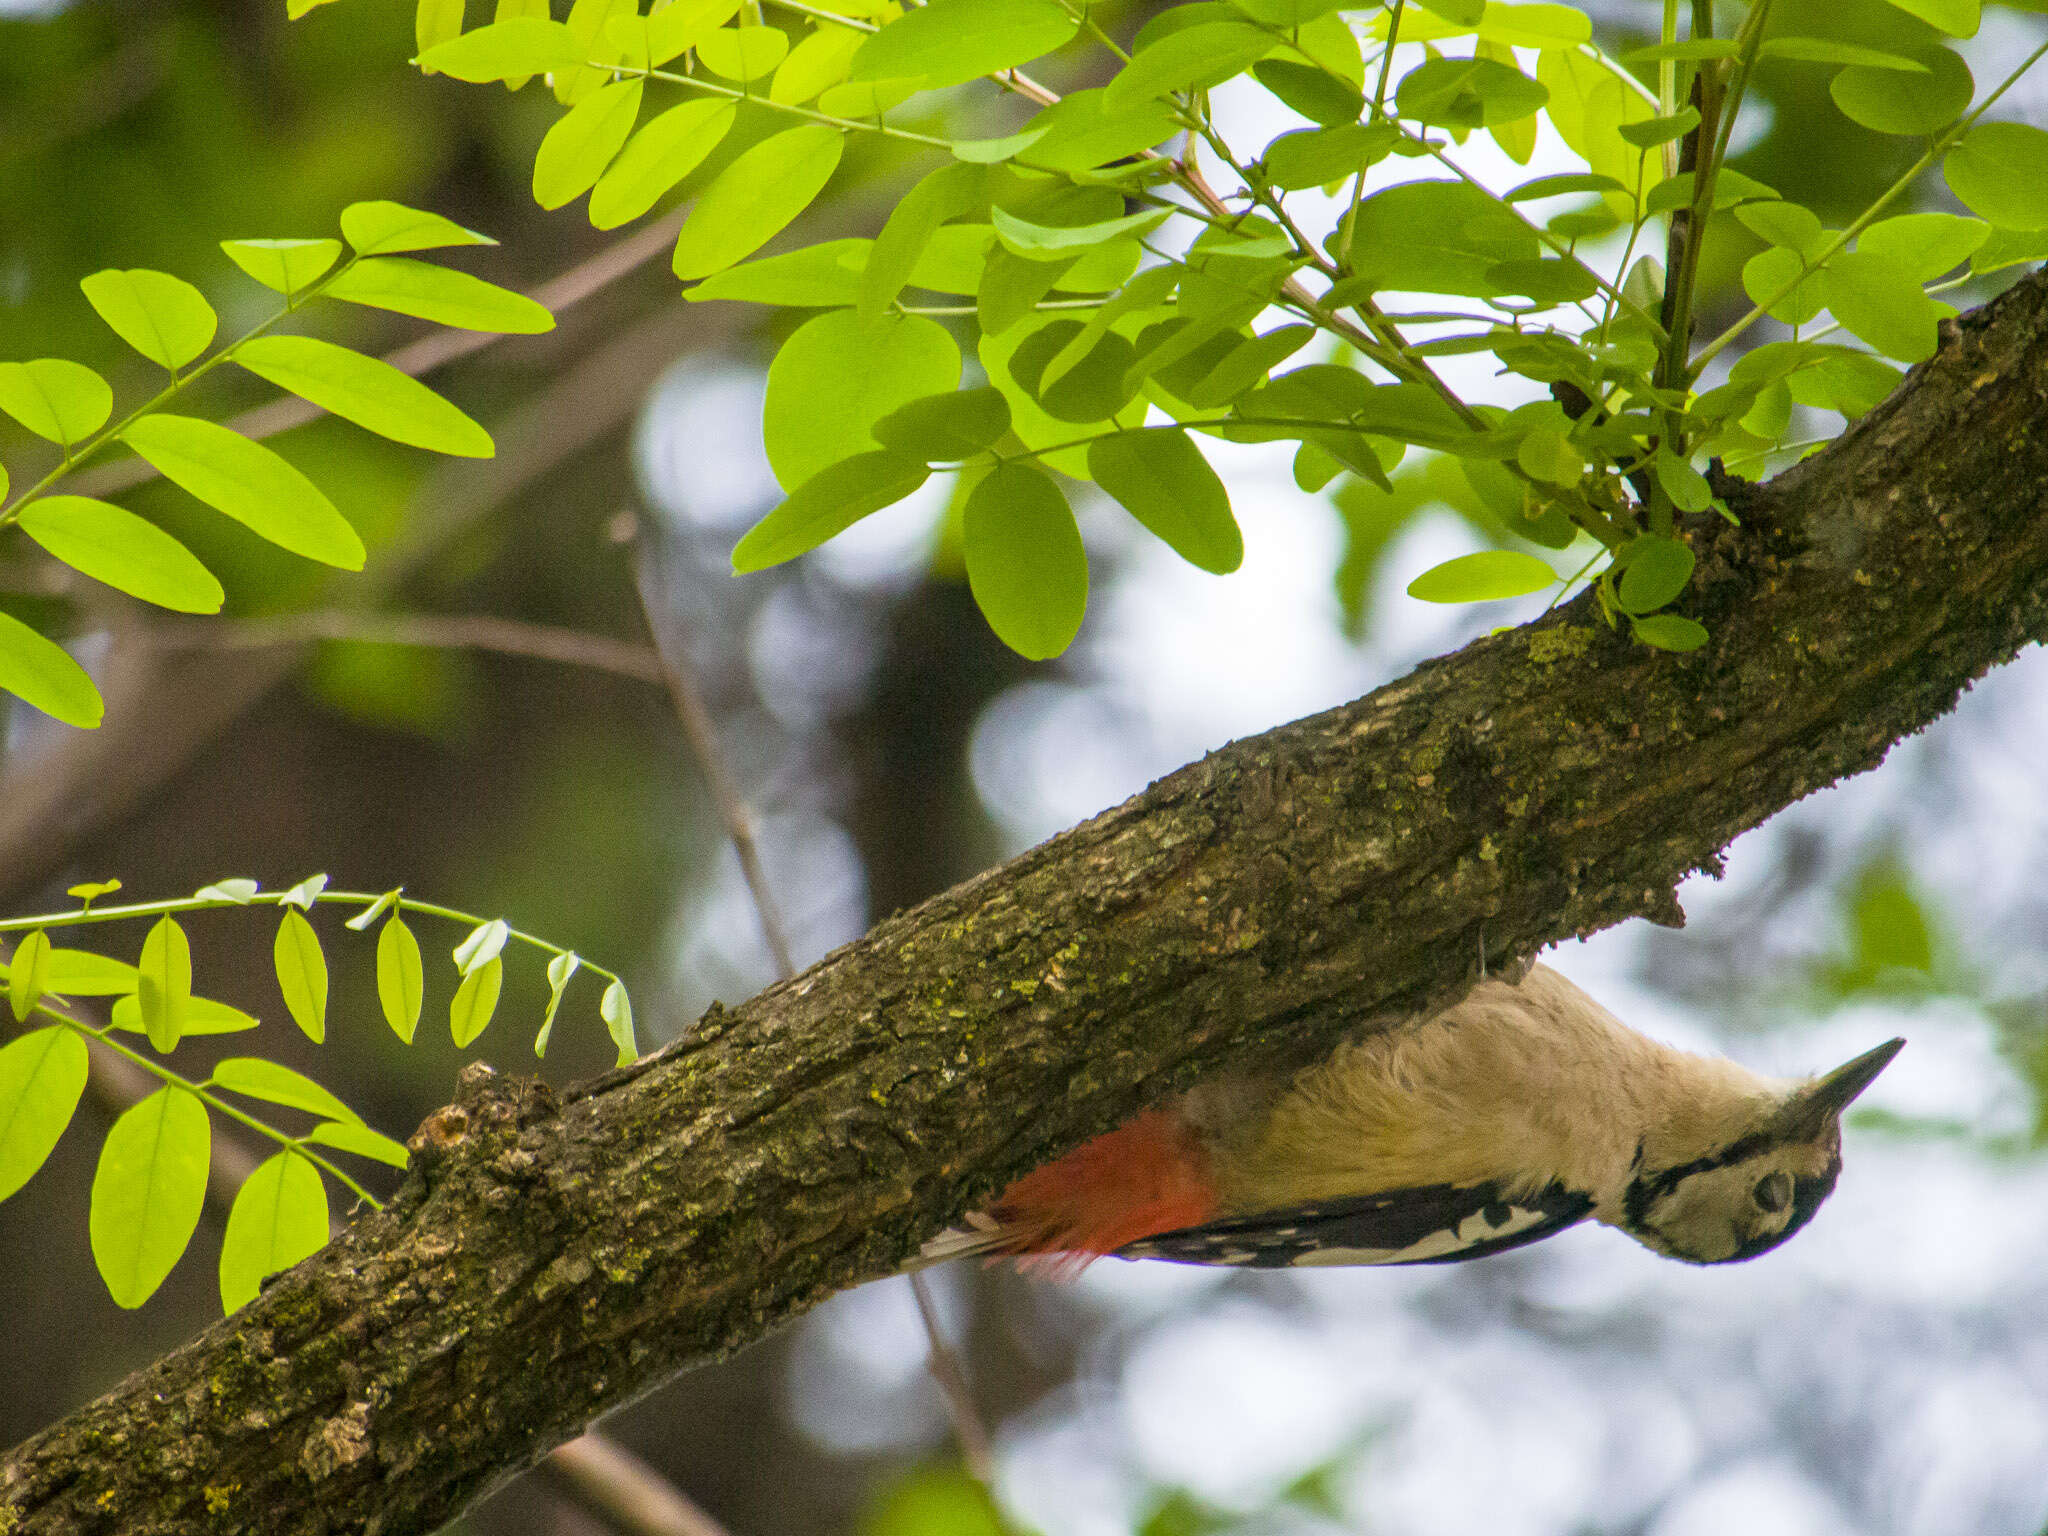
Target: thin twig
{"points": [[470, 632], [702, 734]]}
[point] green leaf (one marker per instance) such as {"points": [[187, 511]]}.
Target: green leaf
{"points": [[1314, 157], [839, 374], [1535, 26], [1025, 563], [82, 973], [1469, 93], [365, 391], [950, 42], [382, 228], [814, 64], [814, 277], [579, 147], [1686, 486], [163, 317], [482, 945], [148, 1192], [288, 266], [1047, 241], [830, 502], [440, 294], [1093, 387], [257, 1078], [301, 973], [665, 150], [1656, 572], [400, 978], [475, 1001], [203, 1016], [279, 1217], [1828, 50], [1669, 632], [1958, 18], [1160, 477], [360, 1140], [1652, 131], [749, 202], [164, 990], [236, 890], [744, 53], [1925, 246], [1081, 132], [254, 485], [560, 969], [1315, 94], [1877, 300], [1437, 237], [992, 151], [1999, 170], [1688, 49], [2007, 248], [945, 194], [672, 29], [42, 1075], [56, 398], [947, 427], [1192, 58], [128, 553], [505, 50], [1781, 223], [1891, 102], [1768, 275], [866, 99], [42, 673], [616, 1009], [28, 975], [92, 890], [1485, 577]]}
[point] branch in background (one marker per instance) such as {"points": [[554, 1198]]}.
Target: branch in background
{"points": [[947, 1372], [470, 632]]}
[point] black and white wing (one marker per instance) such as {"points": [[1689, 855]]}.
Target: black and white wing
{"points": [[1431, 1224]]}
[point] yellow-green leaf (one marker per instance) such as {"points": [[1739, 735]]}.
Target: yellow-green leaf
{"points": [[279, 1217], [752, 199], [579, 147], [1160, 477], [360, 1140], [42, 1075], [128, 553], [164, 991], [42, 673], [56, 398], [399, 978], [475, 1001], [441, 294], [616, 1009], [284, 265], [148, 1192], [383, 228], [257, 1078], [163, 317], [665, 150], [1484, 577], [255, 485], [301, 973], [28, 974], [1025, 563], [366, 391]]}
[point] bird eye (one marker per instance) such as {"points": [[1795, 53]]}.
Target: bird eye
{"points": [[1774, 1191]]}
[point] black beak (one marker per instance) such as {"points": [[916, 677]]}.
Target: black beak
{"points": [[1830, 1095]]}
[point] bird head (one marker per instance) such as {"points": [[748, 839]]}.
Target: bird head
{"points": [[1761, 1182]]}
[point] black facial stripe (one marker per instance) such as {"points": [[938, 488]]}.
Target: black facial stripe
{"points": [[1645, 1190]]}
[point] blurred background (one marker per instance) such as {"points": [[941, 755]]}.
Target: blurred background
{"points": [[1886, 1373]]}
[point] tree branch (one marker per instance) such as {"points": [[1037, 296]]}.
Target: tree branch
{"points": [[550, 1259]]}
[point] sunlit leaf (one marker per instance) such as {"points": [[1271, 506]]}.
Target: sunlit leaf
{"points": [[257, 1078], [560, 969], [42, 1075], [203, 1016], [28, 975], [665, 150], [148, 1191], [301, 973], [522, 46], [42, 673], [1025, 563], [2000, 171], [1657, 572], [752, 199], [252, 483], [382, 228], [616, 1009], [482, 945], [400, 978], [830, 502], [475, 1001], [233, 889], [363, 390], [56, 398], [82, 973], [305, 893], [1669, 632], [837, 375], [1892, 102], [581, 145], [163, 317], [164, 992], [360, 1140], [441, 294], [1484, 577], [1162, 480], [950, 42], [287, 266], [279, 1217], [743, 53], [946, 427], [128, 553]]}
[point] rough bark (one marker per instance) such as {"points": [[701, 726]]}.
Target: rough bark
{"points": [[548, 1260]]}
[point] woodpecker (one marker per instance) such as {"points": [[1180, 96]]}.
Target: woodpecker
{"points": [[1522, 1110]]}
